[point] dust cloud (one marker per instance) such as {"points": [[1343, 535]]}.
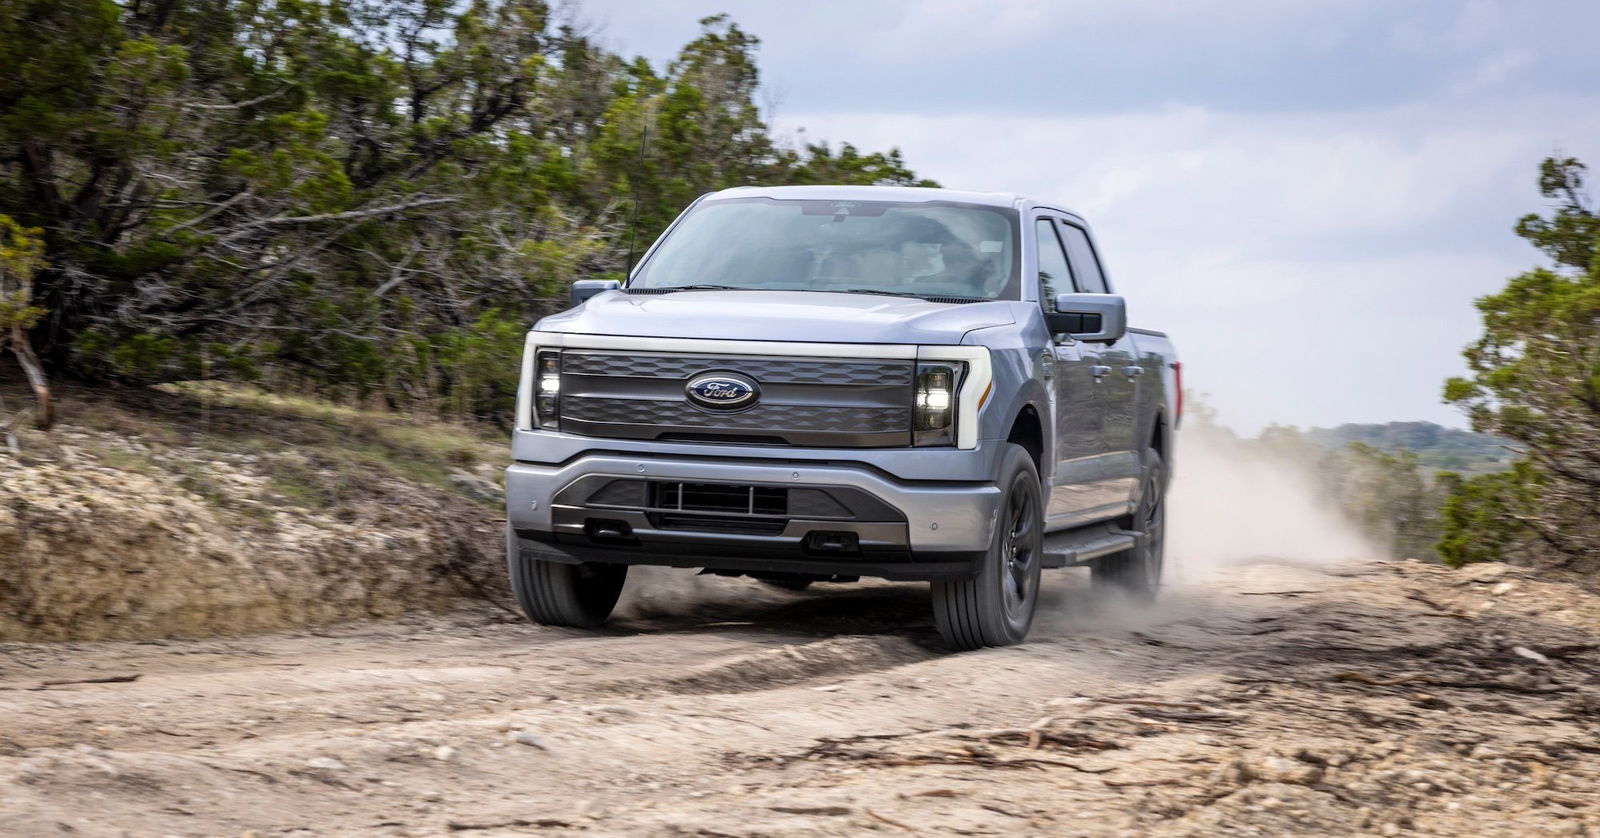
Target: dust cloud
{"points": [[1233, 501]]}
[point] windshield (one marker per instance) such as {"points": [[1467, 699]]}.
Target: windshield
{"points": [[922, 249]]}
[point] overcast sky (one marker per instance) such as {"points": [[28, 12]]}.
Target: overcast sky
{"points": [[1307, 195]]}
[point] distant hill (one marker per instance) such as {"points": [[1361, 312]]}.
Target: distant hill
{"points": [[1436, 446]]}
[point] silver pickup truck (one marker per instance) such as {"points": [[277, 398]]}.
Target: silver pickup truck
{"points": [[822, 383]]}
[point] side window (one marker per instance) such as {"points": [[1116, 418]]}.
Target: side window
{"points": [[1084, 262], [1054, 275]]}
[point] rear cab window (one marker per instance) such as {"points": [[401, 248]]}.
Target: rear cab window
{"points": [[1086, 269]]}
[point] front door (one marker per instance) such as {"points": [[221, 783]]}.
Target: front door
{"points": [[1076, 490], [1118, 389]]}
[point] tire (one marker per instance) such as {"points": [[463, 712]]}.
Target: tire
{"points": [[570, 595], [1136, 572], [995, 607]]}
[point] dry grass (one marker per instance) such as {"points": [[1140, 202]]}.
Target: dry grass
{"points": [[317, 452]]}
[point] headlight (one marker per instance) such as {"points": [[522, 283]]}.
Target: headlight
{"points": [[933, 411], [547, 389]]}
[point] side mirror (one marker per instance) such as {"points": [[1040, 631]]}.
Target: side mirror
{"points": [[1089, 317], [583, 289]]}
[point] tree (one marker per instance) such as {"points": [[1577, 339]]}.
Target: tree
{"points": [[1535, 380], [352, 196], [1386, 495], [21, 256]]}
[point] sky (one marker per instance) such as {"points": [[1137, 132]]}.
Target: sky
{"points": [[1308, 196]]}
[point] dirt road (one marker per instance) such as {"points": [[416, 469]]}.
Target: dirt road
{"points": [[1268, 699]]}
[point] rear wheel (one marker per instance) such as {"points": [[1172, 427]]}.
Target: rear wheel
{"points": [[1136, 572], [556, 594], [995, 608]]}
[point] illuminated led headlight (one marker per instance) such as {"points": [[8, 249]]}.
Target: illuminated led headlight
{"points": [[547, 390], [933, 410]]}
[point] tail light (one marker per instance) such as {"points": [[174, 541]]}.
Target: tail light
{"points": [[1177, 381]]}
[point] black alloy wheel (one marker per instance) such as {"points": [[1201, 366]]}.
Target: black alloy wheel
{"points": [[996, 606], [1136, 572]]}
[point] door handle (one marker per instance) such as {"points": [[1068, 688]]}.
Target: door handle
{"points": [[1098, 372], [1133, 372]]}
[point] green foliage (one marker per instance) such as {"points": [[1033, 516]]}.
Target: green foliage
{"points": [[356, 196], [1535, 380], [1386, 495], [1569, 236], [477, 358], [21, 256], [1483, 517]]}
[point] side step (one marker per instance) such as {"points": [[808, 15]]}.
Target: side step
{"points": [[1081, 546]]}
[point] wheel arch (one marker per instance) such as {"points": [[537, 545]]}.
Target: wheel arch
{"points": [[1028, 423], [1161, 439]]}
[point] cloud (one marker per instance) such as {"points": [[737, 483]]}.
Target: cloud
{"points": [[1315, 268], [1009, 56], [1309, 195]]}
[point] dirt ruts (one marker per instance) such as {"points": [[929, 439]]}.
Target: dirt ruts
{"points": [[1264, 699]]}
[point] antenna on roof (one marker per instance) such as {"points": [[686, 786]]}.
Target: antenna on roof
{"points": [[638, 175]]}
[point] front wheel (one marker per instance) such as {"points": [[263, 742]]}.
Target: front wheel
{"points": [[995, 608], [1136, 572], [556, 594]]}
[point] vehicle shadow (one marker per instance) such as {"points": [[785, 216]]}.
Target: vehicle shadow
{"points": [[666, 601]]}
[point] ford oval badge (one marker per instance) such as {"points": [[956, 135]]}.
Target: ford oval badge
{"points": [[723, 390]]}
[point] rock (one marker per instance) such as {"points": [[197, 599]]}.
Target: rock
{"points": [[444, 753], [1523, 651], [476, 487], [1277, 769], [433, 796], [523, 737], [1484, 571], [1503, 588], [326, 764], [33, 770], [1520, 680]]}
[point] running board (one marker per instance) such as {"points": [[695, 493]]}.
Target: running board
{"points": [[1082, 546]]}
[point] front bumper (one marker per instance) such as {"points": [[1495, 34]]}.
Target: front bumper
{"points": [[897, 529]]}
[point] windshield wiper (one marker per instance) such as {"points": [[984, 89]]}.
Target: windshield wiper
{"points": [[912, 294], [876, 291], [703, 288]]}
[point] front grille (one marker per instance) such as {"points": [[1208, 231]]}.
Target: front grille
{"points": [[803, 401], [721, 497]]}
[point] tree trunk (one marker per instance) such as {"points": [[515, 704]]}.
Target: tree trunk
{"points": [[22, 346]]}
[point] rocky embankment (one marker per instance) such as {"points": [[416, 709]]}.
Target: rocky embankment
{"points": [[264, 522]]}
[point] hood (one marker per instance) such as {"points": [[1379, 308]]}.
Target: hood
{"points": [[814, 316]]}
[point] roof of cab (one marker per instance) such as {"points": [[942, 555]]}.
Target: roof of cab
{"points": [[874, 193]]}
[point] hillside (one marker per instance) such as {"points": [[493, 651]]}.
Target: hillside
{"points": [[1436, 446]]}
